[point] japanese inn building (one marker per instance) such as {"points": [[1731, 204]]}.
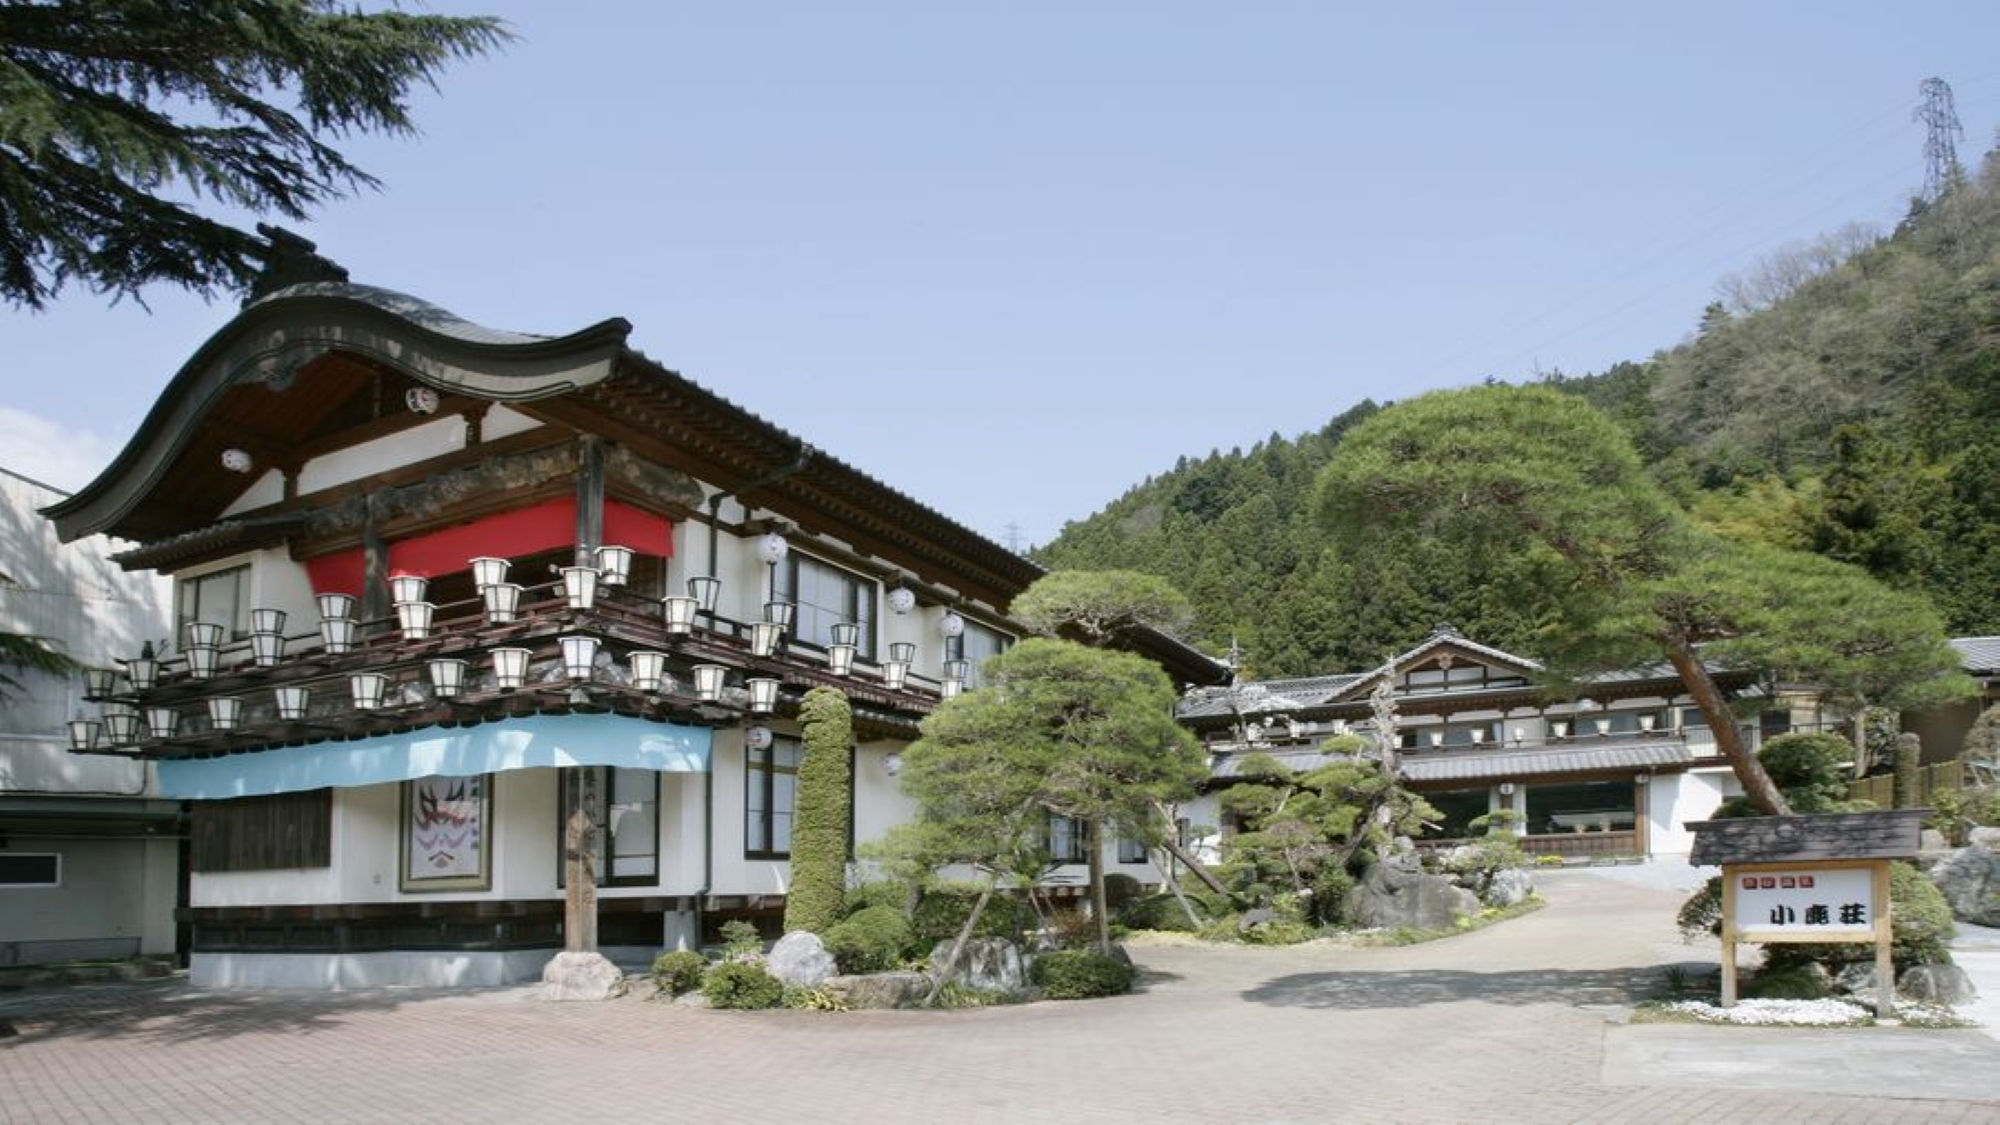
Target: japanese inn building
{"points": [[445, 594], [1617, 768]]}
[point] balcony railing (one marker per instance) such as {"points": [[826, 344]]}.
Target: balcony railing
{"points": [[459, 663]]}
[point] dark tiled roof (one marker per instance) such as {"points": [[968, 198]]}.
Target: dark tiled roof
{"points": [[1266, 697], [1887, 834], [1494, 765], [413, 309], [1978, 654], [1513, 765]]}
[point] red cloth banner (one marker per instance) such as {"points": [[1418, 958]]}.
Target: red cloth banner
{"points": [[515, 534]]}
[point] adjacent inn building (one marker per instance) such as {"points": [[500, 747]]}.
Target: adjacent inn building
{"points": [[490, 644], [1616, 770], [89, 848]]}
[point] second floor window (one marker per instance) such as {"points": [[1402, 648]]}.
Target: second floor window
{"points": [[976, 646], [825, 596]]}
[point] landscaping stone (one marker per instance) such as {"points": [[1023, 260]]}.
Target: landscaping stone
{"points": [[880, 990], [990, 964], [1937, 984], [581, 976], [1510, 887], [1970, 880], [1396, 893], [801, 959]]}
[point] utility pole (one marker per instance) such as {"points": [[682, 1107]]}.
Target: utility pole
{"points": [[1942, 133]]}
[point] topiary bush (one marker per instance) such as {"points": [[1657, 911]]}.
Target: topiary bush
{"points": [[742, 986], [1120, 890], [1080, 974], [1156, 912], [873, 939], [943, 909], [825, 803], [679, 971]]}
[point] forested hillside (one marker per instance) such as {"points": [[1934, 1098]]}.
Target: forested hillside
{"points": [[1844, 399]]}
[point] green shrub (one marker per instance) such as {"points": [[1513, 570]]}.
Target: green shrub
{"points": [[824, 804], [882, 892], [1119, 890], [1794, 982], [1079, 974], [1329, 897], [679, 971], [870, 940], [735, 984], [943, 910], [741, 939], [806, 999], [1156, 912]]}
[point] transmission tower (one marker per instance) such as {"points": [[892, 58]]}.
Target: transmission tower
{"points": [[1942, 133]]}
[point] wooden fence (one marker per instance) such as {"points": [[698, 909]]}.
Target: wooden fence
{"points": [[1881, 789]]}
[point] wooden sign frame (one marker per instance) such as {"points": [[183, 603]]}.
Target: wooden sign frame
{"points": [[1879, 932]]}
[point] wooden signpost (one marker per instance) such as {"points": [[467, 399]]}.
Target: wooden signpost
{"points": [[1818, 878]]}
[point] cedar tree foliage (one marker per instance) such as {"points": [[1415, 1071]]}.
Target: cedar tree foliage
{"points": [[119, 118]]}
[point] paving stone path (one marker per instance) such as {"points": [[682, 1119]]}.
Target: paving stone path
{"points": [[1517, 1022]]}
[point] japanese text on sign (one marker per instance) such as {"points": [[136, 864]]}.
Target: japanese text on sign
{"points": [[1800, 902]]}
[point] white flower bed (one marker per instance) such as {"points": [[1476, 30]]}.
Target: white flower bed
{"points": [[1777, 1013]]}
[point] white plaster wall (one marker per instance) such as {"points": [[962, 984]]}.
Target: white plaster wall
{"points": [[1677, 798], [268, 488], [356, 462], [879, 801], [102, 894]]}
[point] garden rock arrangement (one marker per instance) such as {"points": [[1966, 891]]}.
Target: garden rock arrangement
{"points": [[1396, 893], [1970, 879], [800, 959], [989, 964]]}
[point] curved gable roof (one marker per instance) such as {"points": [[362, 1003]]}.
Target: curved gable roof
{"points": [[273, 338]]}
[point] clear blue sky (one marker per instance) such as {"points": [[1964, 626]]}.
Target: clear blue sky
{"points": [[1012, 259]]}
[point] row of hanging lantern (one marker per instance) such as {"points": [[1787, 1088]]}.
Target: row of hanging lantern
{"points": [[500, 599]]}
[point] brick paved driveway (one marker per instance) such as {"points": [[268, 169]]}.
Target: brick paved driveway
{"points": [[1508, 1024]]}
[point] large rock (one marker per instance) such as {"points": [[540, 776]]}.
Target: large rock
{"points": [[1511, 886], [880, 990], [989, 964], [1983, 836], [801, 959], [1396, 892], [1937, 984], [581, 976], [1970, 880]]}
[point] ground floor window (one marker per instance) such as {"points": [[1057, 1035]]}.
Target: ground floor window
{"points": [[770, 797], [29, 869], [1592, 806], [631, 830], [1066, 839], [1457, 809]]}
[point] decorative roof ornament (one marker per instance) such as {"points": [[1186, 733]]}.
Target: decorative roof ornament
{"points": [[289, 260]]}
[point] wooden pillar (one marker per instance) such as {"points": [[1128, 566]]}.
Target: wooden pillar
{"points": [[1885, 962], [583, 814], [589, 499], [1728, 937], [374, 566]]}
